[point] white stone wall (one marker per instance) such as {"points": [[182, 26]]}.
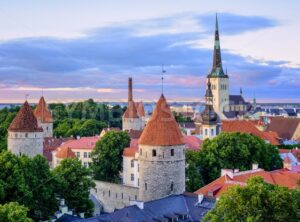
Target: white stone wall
{"points": [[30, 144], [114, 196], [84, 155], [220, 90], [163, 174], [133, 124], [209, 131], [130, 171], [47, 129]]}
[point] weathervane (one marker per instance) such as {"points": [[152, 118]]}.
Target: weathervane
{"points": [[163, 71]]}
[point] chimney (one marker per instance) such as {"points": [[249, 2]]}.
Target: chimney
{"points": [[254, 166], [200, 198], [228, 172], [129, 89]]}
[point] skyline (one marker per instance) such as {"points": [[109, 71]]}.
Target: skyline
{"points": [[72, 57]]}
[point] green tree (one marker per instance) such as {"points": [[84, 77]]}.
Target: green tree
{"points": [[258, 201], [107, 156], [235, 151], [13, 212], [193, 171], [75, 184]]}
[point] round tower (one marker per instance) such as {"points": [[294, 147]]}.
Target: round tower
{"points": [[161, 156], [44, 118], [24, 134]]}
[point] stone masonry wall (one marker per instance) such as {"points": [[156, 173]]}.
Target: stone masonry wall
{"points": [[114, 196]]}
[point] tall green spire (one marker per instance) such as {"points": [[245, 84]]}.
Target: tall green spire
{"points": [[217, 69]]}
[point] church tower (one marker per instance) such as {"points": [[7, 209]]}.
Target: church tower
{"points": [[161, 156], [219, 79], [25, 137], [44, 118], [210, 125], [131, 120]]}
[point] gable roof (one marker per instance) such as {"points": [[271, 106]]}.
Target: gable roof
{"points": [[162, 129], [282, 177], [285, 127], [25, 121], [42, 112], [131, 111], [87, 143], [245, 126], [65, 152], [236, 100]]}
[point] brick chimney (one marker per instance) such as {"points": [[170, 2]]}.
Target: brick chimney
{"points": [[129, 89]]}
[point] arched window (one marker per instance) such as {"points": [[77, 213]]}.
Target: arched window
{"points": [[153, 152], [172, 152], [172, 186]]}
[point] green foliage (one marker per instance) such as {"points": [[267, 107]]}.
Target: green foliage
{"points": [[6, 117], [193, 171], [28, 182], [13, 212], [181, 119], [107, 156], [75, 183], [256, 202], [235, 151]]}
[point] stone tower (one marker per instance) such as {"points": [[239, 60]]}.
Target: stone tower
{"points": [[24, 134], [44, 118], [131, 120], [161, 156], [209, 118], [219, 79]]}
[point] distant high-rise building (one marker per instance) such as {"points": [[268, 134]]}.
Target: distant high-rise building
{"points": [[25, 137]]}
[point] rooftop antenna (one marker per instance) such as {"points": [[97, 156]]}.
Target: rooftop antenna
{"points": [[163, 71]]}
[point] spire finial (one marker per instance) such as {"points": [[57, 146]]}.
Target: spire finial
{"points": [[241, 91], [217, 25], [163, 71]]}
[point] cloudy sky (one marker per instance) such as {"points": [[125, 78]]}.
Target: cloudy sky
{"points": [[74, 50]]}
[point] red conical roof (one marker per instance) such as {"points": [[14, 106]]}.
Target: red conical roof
{"points": [[162, 129], [65, 152], [25, 121], [140, 109], [42, 112], [131, 111]]}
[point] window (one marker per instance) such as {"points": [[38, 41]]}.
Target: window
{"points": [[122, 196], [212, 132], [138, 181], [85, 154], [26, 135], [109, 193], [205, 132], [172, 186], [132, 177], [89, 154], [138, 167], [172, 152], [146, 186], [132, 163], [86, 164], [141, 152], [153, 152], [116, 195], [78, 154]]}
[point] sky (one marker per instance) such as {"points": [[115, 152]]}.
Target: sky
{"points": [[71, 50]]}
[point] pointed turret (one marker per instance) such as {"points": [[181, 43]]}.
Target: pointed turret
{"points": [[42, 113], [217, 69], [162, 129], [209, 116]]}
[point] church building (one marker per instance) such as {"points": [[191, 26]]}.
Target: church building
{"points": [[226, 106]]}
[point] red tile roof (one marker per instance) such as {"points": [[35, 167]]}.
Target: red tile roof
{"points": [[246, 126], [51, 144], [25, 121], [192, 142], [130, 151], [42, 112], [162, 129], [131, 111], [140, 109], [87, 143], [285, 127], [65, 152], [282, 177]]}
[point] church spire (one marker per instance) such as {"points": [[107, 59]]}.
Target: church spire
{"points": [[217, 69]]}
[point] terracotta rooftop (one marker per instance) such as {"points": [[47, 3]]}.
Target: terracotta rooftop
{"points": [[162, 129], [25, 121], [140, 109], [65, 152], [285, 127], [131, 111], [87, 143], [130, 151], [50, 144], [42, 112], [282, 177], [245, 126], [192, 142]]}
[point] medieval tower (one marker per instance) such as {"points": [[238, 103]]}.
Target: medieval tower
{"points": [[44, 118], [131, 119], [25, 137], [219, 79], [209, 119], [161, 158]]}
